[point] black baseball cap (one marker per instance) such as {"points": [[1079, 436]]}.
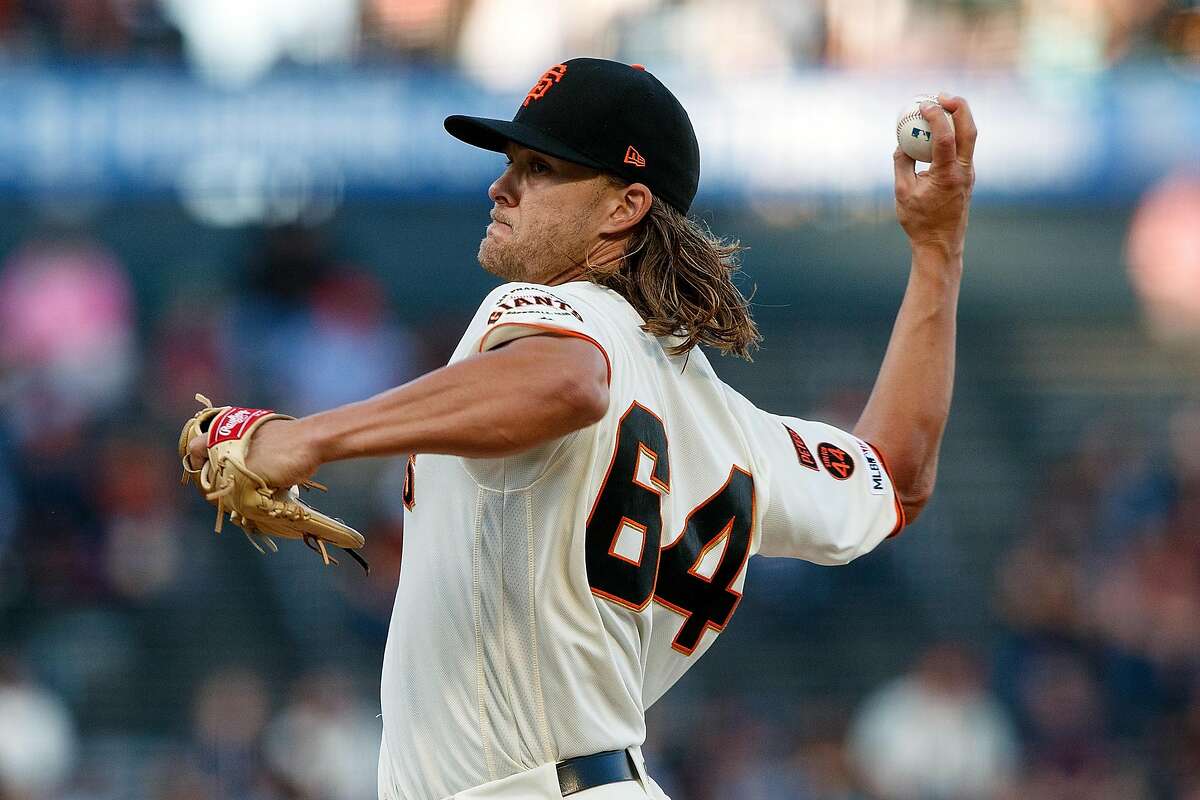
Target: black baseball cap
{"points": [[603, 114]]}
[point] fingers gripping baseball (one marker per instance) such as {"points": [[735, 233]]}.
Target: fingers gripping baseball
{"points": [[965, 131], [944, 146], [933, 206]]}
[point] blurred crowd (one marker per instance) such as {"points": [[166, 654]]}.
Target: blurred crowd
{"points": [[236, 42], [144, 658], [115, 607]]}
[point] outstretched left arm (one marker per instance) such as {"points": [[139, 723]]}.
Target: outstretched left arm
{"points": [[491, 405]]}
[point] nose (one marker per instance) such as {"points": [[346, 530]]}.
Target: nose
{"points": [[502, 192]]}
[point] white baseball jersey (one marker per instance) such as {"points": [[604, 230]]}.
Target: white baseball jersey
{"points": [[548, 599]]}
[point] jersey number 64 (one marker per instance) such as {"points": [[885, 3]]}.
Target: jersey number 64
{"points": [[630, 499]]}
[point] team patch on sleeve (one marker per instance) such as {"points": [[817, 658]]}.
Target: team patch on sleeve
{"points": [[528, 310], [803, 454], [532, 305], [874, 470], [836, 460]]}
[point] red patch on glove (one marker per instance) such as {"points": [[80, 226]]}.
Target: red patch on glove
{"points": [[232, 424]]}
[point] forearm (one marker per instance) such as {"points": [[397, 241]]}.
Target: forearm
{"points": [[908, 407], [491, 405]]}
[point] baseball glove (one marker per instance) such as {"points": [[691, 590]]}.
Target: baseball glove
{"points": [[259, 509]]}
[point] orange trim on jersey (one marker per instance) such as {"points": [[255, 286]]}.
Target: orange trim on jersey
{"points": [[901, 519], [600, 493], [612, 548], [408, 494], [723, 536], [709, 624], [549, 329], [658, 486], [619, 601]]}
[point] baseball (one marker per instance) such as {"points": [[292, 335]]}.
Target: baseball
{"points": [[912, 131]]}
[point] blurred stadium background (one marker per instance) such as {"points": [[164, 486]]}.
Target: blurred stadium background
{"points": [[256, 200]]}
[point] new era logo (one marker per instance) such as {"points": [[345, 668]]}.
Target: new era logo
{"points": [[632, 156]]}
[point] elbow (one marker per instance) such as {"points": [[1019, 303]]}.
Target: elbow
{"points": [[914, 498], [913, 473], [584, 400]]}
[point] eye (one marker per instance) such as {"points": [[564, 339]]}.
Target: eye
{"points": [[538, 167]]}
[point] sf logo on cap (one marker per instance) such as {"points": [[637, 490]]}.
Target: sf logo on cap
{"points": [[545, 83]]}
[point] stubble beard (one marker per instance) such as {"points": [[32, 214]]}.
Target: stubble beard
{"points": [[501, 261], [547, 251]]}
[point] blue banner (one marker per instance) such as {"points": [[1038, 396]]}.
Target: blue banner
{"points": [[128, 132]]}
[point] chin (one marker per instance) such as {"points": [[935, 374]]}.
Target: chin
{"points": [[496, 264]]}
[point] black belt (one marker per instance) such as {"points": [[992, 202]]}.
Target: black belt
{"points": [[598, 769]]}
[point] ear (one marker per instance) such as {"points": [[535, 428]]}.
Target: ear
{"points": [[628, 205]]}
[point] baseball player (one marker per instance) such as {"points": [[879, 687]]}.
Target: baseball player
{"points": [[583, 492]]}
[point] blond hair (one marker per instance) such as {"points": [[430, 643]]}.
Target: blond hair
{"points": [[678, 276]]}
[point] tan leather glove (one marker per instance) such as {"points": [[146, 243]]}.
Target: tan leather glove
{"points": [[260, 510]]}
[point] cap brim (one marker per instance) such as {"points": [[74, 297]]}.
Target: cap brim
{"points": [[495, 134]]}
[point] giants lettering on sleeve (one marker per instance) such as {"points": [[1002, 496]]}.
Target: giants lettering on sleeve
{"points": [[528, 298]]}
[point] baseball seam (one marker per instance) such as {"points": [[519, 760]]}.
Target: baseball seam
{"points": [[903, 122]]}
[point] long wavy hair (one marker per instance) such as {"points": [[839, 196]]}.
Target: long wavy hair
{"points": [[678, 276]]}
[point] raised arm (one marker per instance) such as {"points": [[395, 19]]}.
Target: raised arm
{"points": [[906, 413], [490, 405]]}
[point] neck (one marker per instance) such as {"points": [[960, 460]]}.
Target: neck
{"points": [[599, 254], [571, 273]]}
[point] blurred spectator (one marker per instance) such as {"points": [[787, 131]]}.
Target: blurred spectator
{"points": [[67, 339], [1070, 753], [37, 737], [1065, 35], [823, 769], [935, 733], [186, 358], [236, 43], [1181, 35], [424, 30], [307, 307], [1163, 251], [372, 596], [229, 713], [325, 742], [177, 779], [548, 30], [353, 347], [714, 38], [86, 29], [136, 495]]}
